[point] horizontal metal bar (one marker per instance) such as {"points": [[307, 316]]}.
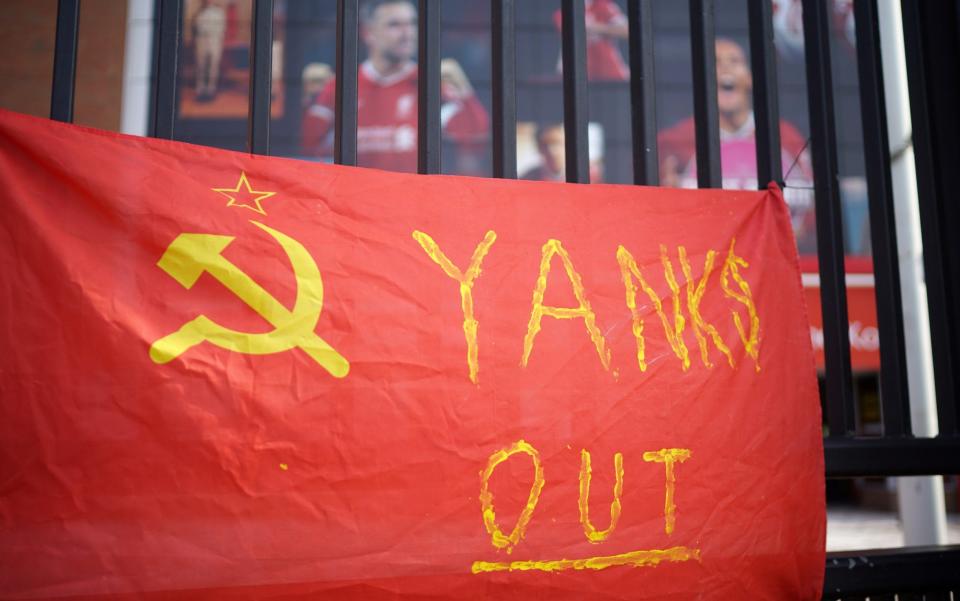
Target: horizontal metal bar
{"points": [[261, 74], [889, 571], [866, 457], [65, 61], [643, 103]]}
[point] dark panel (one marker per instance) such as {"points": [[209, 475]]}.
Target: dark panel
{"points": [[891, 570], [932, 58]]}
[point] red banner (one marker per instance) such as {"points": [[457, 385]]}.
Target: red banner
{"points": [[232, 376]]}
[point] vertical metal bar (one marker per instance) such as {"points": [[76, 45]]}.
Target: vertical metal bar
{"points": [[766, 107], [345, 131], [504, 50], [643, 103], [931, 229], [154, 60], [575, 112], [428, 83], [65, 60], [705, 112], [261, 77], [836, 340], [168, 46], [895, 397], [294, 57]]}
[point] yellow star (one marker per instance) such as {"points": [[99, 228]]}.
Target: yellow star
{"points": [[257, 196]]}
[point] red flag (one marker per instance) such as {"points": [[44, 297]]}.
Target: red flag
{"points": [[233, 376]]}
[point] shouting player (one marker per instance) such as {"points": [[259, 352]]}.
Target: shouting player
{"points": [[738, 156]]}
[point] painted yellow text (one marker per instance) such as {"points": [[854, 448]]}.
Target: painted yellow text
{"points": [[593, 535], [466, 280], [636, 559], [499, 540], [677, 306], [639, 558], [731, 269], [581, 311], [668, 457]]}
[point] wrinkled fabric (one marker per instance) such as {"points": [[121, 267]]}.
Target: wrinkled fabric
{"points": [[326, 431]]}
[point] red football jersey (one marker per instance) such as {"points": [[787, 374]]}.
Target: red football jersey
{"points": [[387, 119], [604, 60]]}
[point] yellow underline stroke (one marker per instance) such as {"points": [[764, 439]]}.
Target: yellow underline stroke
{"points": [[635, 559]]}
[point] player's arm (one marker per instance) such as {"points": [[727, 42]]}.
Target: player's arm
{"points": [[462, 116], [318, 120], [675, 147]]}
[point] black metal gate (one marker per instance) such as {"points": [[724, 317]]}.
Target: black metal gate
{"points": [[931, 32]]}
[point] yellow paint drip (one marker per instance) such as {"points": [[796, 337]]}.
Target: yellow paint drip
{"points": [[635, 559], [497, 537], [466, 280], [551, 248], [668, 457], [593, 535], [694, 298], [731, 268]]}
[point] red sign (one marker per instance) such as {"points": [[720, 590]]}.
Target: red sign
{"points": [[232, 376], [861, 313]]}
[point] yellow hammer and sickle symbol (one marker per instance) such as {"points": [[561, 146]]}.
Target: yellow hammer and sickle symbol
{"points": [[189, 255]]}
